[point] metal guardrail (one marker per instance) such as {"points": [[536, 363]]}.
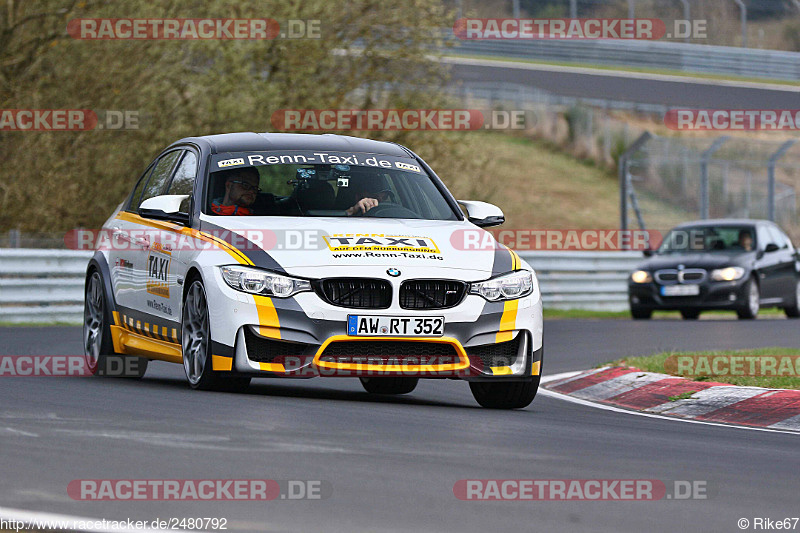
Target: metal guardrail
{"points": [[47, 285], [584, 280], [42, 285], [747, 62]]}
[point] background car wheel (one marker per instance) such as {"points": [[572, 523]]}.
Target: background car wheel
{"points": [[98, 349], [690, 314], [793, 311], [389, 385], [752, 301], [641, 314], [509, 395], [196, 345]]}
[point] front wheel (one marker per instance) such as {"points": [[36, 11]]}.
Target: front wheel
{"points": [[196, 345], [752, 303], [690, 314], [641, 314], [389, 385], [509, 395]]}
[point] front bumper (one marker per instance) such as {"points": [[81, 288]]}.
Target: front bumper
{"points": [[304, 336], [713, 295]]}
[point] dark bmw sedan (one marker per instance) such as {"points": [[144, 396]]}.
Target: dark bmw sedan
{"points": [[740, 265]]}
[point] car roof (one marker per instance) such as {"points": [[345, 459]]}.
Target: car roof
{"points": [[723, 222], [265, 142]]}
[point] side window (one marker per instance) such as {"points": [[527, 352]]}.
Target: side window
{"points": [[183, 182], [764, 238], [136, 197], [777, 236], [155, 185]]}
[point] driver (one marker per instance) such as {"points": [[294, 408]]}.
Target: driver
{"points": [[241, 188], [746, 240], [366, 200]]}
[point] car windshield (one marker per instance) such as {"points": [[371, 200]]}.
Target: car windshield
{"points": [[289, 184], [709, 239]]}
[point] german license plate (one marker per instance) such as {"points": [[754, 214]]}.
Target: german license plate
{"points": [[680, 290], [395, 326]]}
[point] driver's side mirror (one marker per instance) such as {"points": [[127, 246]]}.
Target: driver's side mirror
{"points": [[165, 207], [482, 214], [647, 253]]}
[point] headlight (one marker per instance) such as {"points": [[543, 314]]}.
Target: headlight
{"points": [[727, 274], [505, 287], [257, 281], [641, 276]]}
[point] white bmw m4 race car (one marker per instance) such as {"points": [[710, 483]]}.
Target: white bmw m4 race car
{"points": [[284, 255]]}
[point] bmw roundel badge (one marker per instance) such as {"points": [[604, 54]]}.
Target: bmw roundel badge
{"points": [[393, 272]]}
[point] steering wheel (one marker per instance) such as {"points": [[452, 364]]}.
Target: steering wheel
{"points": [[390, 210]]}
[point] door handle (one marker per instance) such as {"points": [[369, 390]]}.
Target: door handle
{"points": [[124, 236]]}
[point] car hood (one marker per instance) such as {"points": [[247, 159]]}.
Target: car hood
{"points": [[299, 244], [698, 260]]}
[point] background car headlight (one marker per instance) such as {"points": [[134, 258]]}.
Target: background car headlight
{"points": [[727, 274], [641, 276], [257, 281], [505, 287]]}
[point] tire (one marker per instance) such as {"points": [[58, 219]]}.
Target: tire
{"points": [[98, 349], [690, 314], [752, 302], [509, 395], [196, 345], [389, 385], [793, 311], [641, 314]]}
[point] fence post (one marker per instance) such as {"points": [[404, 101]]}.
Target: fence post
{"points": [[773, 159], [623, 177], [14, 238], [573, 8], [704, 158], [687, 15], [743, 10]]}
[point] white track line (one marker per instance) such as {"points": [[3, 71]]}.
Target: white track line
{"points": [[30, 517], [457, 60], [567, 398]]}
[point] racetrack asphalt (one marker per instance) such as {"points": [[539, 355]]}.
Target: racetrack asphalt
{"points": [[669, 91], [392, 462]]}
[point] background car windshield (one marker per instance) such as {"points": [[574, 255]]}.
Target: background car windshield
{"points": [[330, 190], [709, 239]]}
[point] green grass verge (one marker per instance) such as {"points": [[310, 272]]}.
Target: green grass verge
{"points": [[668, 315], [656, 363], [623, 68]]}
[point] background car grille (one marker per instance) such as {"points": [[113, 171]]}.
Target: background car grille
{"points": [[690, 275], [384, 352], [498, 354], [356, 293], [263, 350], [668, 276], [431, 293]]}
